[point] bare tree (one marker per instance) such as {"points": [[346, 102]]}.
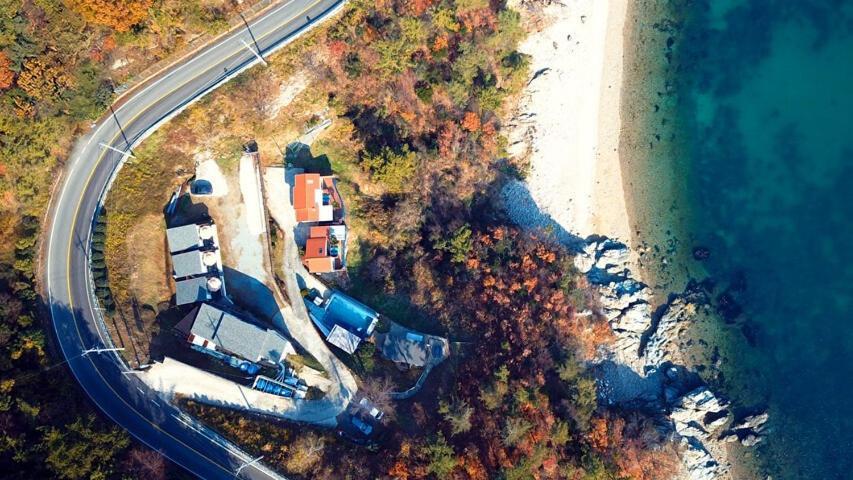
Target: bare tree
{"points": [[305, 453], [378, 390], [146, 464]]}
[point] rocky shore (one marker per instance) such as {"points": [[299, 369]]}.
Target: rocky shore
{"points": [[644, 367]]}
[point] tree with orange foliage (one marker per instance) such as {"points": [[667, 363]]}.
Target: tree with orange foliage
{"points": [[44, 77], [400, 470], [7, 76], [471, 122], [119, 15]]}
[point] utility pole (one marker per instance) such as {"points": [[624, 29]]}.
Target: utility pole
{"points": [[104, 145], [120, 129], [100, 350], [257, 50], [248, 47], [237, 473]]}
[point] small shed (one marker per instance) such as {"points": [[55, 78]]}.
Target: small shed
{"points": [[343, 339]]}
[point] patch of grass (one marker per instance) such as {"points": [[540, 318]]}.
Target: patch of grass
{"points": [[134, 249]]}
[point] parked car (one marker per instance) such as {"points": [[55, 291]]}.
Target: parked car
{"points": [[201, 187], [371, 408], [362, 426]]}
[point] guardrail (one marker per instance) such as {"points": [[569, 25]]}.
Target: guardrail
{"points": [[100, 322]]}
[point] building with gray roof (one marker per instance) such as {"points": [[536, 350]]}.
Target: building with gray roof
{"points": [[192, 290], [183, 238], [188, 264], [216, 329], [196, 262]]}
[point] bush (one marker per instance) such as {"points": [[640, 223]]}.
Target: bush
{"points": [[365, 354]]}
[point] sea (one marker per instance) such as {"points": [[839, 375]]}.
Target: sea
{"points": [[747, 155]]}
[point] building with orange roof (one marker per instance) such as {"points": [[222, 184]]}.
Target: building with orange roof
{"points": [[324, 249], [314, 197]]}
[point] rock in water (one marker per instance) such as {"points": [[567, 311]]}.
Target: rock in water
{"points": [[701, 253], [752, 422]]}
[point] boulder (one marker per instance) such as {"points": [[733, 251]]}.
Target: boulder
{"points": [[716, 424], [691, 429], [635, 318], [663, 342], [700, 464], [616, 257], [752, 422], [751, 440], [584, 263], [703, 400]]}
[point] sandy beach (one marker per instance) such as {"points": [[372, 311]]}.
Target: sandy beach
{"points": [[568, 123]]}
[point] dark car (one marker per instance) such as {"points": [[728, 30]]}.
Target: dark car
{"points": [[201, 187]]}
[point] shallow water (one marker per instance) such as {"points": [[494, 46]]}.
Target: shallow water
{"points": [[766, 106]]}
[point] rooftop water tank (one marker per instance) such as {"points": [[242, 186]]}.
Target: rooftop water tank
{"points": [[214, 284], [205, 232], [209, 259]]}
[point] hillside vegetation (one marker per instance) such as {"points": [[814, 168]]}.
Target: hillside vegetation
{"points": [[59, 63], [416, 91]]}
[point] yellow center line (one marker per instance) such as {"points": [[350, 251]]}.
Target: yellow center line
{"points": [[74, 224]]}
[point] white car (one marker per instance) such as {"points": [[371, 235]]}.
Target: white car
{"points": [[371, 409]]}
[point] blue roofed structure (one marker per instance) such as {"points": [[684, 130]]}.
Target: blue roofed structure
{"points": [[344, 321]]}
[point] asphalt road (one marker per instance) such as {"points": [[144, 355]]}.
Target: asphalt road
{"points": [[125, 399]]}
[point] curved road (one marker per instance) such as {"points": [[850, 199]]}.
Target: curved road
{"points": [[125, 399]]}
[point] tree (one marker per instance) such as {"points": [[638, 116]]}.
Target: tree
{"points": [[471, 122], [146, 464], [442, 458], [119, 15], [304, 454], [514, 430], [392, 169], [457, 412], [44, 78], [378, 391], [7, 76], [83, 449], [458, 245], [364, 354]]}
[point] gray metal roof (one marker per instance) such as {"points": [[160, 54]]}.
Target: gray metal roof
{"points": [[183, 238], [238, 336], [188, 264], [343, 339], [191, 290], [397, 347]]}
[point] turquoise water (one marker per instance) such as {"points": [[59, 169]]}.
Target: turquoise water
{"points": [[768, 104]]}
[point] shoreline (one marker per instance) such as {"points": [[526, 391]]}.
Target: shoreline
{"points": [[654, 154], [598, 123], [568, 123]]}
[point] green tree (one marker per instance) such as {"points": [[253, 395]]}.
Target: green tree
{"points": [[442, 458], [392, 169], [84, 449], [457, 413], [458, 245], [515, 429]]}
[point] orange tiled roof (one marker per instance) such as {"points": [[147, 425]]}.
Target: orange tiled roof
{"points": [[304, 197], [319, 265], [318, 232], [316, 248]]}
